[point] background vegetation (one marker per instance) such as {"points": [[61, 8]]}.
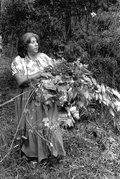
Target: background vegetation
{"points": [[71, 29], [81, 29]]}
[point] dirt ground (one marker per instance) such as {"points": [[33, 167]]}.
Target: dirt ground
{"points": [[92, 148]]}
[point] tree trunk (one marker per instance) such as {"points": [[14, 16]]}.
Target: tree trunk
{"points": [[68, 20]]}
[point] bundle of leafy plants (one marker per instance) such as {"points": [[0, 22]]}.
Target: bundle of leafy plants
{"points": [[72, 87]]}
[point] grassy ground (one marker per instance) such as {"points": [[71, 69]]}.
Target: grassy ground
{"points": [[92, 147]]}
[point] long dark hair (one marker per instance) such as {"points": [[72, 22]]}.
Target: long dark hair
{"points": [[23, 43]]}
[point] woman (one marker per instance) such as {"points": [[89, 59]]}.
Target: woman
{"points": [[27, 66]]}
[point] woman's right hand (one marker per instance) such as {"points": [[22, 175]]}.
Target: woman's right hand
{"points": [[46, 75]]}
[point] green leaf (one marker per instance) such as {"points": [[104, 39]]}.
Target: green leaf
{"points": [[69, 122], [74, 112], [96, 96], [103, 88], [49, 85], [80, 104], [48, 96], [100, 98], [106, 101], [58, 79], [116, 93], [62, 115], [111, 112], [87, 94], [74, 94], [86, 78], [94, 81], [117, 104]]}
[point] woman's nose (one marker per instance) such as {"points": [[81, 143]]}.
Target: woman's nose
{"points": [[36, 43]]}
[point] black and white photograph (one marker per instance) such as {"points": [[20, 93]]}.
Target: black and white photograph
{"points": [[59, 89]]}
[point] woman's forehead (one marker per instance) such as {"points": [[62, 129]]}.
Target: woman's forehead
{"points": [[33, 38]]}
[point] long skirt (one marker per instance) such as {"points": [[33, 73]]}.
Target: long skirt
{"points": [[39, 140]]}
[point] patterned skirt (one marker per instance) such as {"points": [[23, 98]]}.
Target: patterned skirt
{"points": [[38, 141]]}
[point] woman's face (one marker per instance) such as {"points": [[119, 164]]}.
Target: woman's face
{"points": [[33, 46]]}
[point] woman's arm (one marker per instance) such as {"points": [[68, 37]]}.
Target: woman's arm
{"points": [[22, 79]]}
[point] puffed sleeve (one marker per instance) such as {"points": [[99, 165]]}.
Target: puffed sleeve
{"points": [[17, 66]]}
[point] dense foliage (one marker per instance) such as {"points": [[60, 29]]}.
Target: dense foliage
{"points": [[85, 29]]}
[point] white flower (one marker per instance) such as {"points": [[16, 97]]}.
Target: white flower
{"points": [[46, 122], [93, 14]]}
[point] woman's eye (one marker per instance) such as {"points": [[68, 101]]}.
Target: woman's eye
{"points": [[33, 42]]}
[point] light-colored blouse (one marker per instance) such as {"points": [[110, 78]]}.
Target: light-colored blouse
{"points": [[30, 67]]}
